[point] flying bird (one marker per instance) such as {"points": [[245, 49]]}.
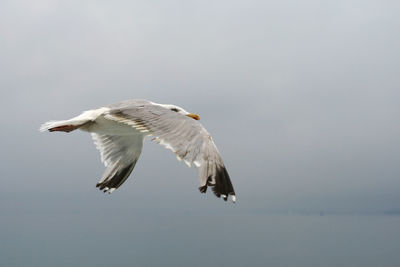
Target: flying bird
{"points": [[118, 131]]}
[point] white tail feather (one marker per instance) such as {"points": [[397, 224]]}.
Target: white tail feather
{"points": [[86, 116], [51, 124]]}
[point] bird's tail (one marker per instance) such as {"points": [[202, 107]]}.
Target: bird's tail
{"points": [[72, 124], [60, 126]]}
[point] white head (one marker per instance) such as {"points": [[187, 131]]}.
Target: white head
{"points": [[179, 110]]}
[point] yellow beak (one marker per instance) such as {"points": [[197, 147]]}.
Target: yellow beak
{"points": [[193, 116]]}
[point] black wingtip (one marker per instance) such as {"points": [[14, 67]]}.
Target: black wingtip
{"points": [[117, 178], [203, 189], [101, 186], [223, 185]]}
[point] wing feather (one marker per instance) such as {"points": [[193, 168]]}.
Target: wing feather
{"points": [[119, 154], [186, 137]]}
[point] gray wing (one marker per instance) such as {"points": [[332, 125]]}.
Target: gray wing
{"points": [[119, 154], [186, 137]]}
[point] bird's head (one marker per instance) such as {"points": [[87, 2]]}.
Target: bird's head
{"points": [[182, 111]]}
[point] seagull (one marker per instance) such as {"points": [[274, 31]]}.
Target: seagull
{"points": [[118, 131]]}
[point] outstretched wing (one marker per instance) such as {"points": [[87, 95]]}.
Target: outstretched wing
{"points": [[186, 137], [119, 153]]}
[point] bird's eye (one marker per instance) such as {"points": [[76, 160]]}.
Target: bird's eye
{"points": [[174, 109]]}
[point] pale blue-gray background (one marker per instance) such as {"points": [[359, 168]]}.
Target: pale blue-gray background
{"points": [[301, 97]]}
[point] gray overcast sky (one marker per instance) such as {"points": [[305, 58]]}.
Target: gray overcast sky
{"points": [[302, 97], [302, 100]]}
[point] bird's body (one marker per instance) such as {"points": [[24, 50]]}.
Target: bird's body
{"points": [[118, 131]]}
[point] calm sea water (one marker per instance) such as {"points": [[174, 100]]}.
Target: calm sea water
{"points": [[40, 232]]}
